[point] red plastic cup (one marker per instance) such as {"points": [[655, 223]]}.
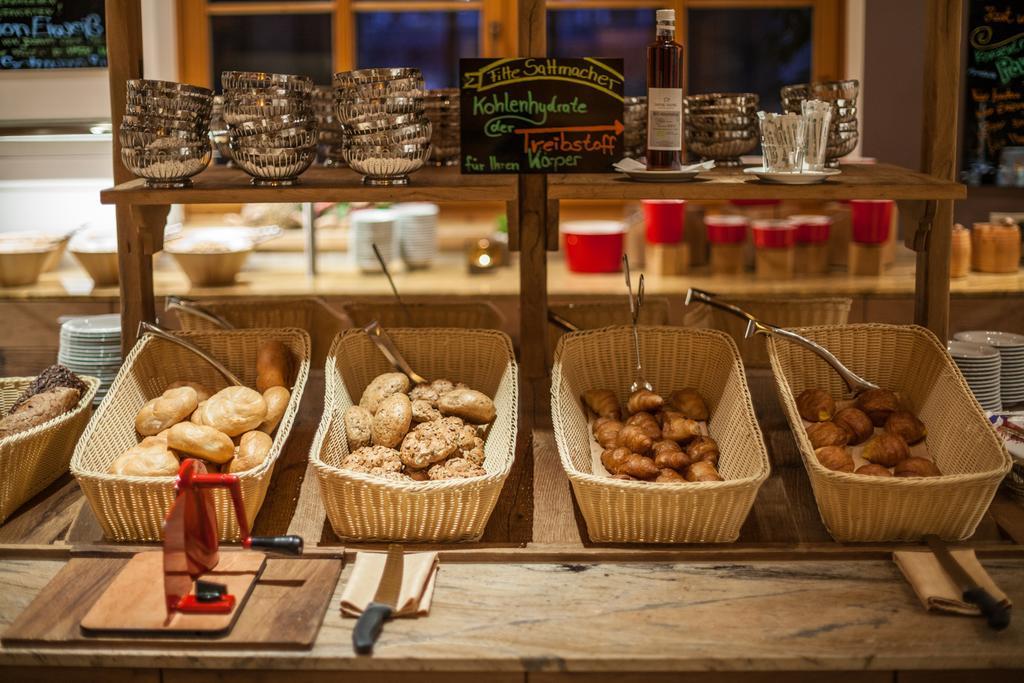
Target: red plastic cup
{"points": [[665, 219], [811, 229], [774, 234], [726, 229], [870, 220], [594, 246]]}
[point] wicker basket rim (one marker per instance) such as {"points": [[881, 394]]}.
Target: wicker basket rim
{"points": [[476, 332], [270, 299], [253, 473], [671, 330], [404, 486], [927, 337], [92, 386]]}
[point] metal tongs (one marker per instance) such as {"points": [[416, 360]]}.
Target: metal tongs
{"points": [[394, 289], [635, 302], [192, 307], [383, 342], [855, 383], [157, 331]]}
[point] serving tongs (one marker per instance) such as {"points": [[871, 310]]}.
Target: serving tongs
{"points": [[383, 342], [635, 303], [391, 281], [192, 307], [561, 323], [157, 331], [855, 383]]}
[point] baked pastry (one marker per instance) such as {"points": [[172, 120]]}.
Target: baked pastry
{"points": [[916, 467], [603, 403], [886, 449], [431, 442], [468, 404], [358, 424], [201, 391], [455, 468], [703, 448], [39, 408], [906, 425], [253, 449], [621, 461], [856, 423], [669, 476], [634, 438], [431, 391], [53, 377], [197, 415], [235, 410], [391, 421], [644, 400], [170, 408], [827, 434], [836, 458], [381, 387], [689, 403], [150, 458], [277, 402], [878, 404], [676, 460], [873, 470], [815, 405], [679, 428], [273, 366], [606, 431], [647, 424], [702, 471], [201, 441], [424, 411], [379, 461]]}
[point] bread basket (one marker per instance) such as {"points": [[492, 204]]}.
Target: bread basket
{"points": [[361, 507], [592, 315], [133, 508], [469, 314], [909, 360], [673, 357], [31, 460]]}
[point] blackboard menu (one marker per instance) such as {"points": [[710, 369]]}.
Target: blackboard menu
{"points": [[994, 86], [52, 34], [540, 115]]}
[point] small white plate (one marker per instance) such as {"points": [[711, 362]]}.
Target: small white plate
{"points": [[661, 176], [802, 178], [1003, 340], [966, 350]]}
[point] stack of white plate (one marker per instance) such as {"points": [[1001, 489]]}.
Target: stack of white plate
{"points": [[417, 233], [979, 364], [369, 227], [1011, 361], [92, 346]]}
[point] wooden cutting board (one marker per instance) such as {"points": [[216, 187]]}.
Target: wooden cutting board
{"points": [[284, 610]]}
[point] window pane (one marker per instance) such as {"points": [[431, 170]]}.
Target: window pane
{"points": [[748, 50], [430, 41], [280, 43], [605, 33]]}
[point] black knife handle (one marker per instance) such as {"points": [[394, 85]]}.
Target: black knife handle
{"points": [[996, 613], [282, 544], [369, 626]]}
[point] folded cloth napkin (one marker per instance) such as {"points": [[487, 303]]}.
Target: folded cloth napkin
{"points": [[419, 571], [936, 590], [629, 164]]}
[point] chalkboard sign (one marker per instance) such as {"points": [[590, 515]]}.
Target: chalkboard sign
{"points": [[540, 115], [994, 85], [52, 34]]}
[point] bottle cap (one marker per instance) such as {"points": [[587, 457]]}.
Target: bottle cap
{"points": [[665, 16]]}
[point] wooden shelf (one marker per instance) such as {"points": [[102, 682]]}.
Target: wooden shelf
{"points": [[222, 185], [857, 181]]}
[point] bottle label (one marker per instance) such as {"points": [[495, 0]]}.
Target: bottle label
{"points": [[665, 119]]}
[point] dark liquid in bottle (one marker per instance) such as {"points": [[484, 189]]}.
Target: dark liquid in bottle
{"points": [[664, 70]]}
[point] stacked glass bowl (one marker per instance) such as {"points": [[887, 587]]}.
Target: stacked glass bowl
{"points": [[164, 132], [387, 136], [842, 95], [442, 109], [634, 139], [721, 126], [272, 132], [332, 135]]}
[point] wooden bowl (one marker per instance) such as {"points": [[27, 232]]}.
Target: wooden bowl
{"points": [[23, 267], [101, 266], [211, 270]]}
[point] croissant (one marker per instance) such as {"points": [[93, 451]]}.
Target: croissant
{"points": [[669, 476], [643, 400], [607, 433], [675, 460], [702, 471], [602, 402], [633, 438], [679, 428], [690, 403], [666, 445], [703, 448], [646, 422], [622, 461]]}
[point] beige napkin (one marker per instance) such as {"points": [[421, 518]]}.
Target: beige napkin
{"points": [[419, 572], [936, 590]]}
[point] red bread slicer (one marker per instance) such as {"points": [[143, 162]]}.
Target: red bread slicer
{"points": [[191, 548]]}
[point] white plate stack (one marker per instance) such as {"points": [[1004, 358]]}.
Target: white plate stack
{"points": [[1011, 361], [369, 227], [417, 233], [91, 345], [979, 364]]}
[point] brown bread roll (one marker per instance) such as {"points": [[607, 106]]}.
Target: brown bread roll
{"points": [[277, 402], [381, 387], [469, 404], [201, 441], [150, 458], [170, 408], [815, 405], [252, 451], [358, 425], [273, 366], [391, 421], [235, 410], [38, 409]]}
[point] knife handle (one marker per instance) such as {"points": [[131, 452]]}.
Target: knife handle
{"points": [[369, 626], [281, 544], [996, 613]]}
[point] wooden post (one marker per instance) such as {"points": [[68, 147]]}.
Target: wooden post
{"points": [[124, 62], [943, 27]]}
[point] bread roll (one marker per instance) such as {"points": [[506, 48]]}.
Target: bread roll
{"points": [[469, 404], [197, 414], [277, 402], [252, 451], [235, 410], [40, 408], [273, 366], [201, 389], [170, 408], [391, 421], [147, 459], [381, 387], [358, 425], [201, 441]]}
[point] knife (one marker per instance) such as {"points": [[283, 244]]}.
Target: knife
{"points": [[384, 605], [996, 613]]}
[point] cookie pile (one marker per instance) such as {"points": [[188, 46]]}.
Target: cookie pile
{"points": [[424, 432]]}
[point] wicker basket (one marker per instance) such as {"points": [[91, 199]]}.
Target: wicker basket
{"points": [[368, 508], [910, 361], [472, 315], [31, 460], [133, 508], [638, 512], [593, 315], [310, 314], [781, 312]]}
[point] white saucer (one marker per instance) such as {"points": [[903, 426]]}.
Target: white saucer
{"points": [[802, 178], [661, 176], [967, 350], [1003, 340]]}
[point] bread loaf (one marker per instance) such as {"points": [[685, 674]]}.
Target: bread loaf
{"points": [[170, 408], [203, 392], [200, 441], [235, 410], [151, 458], [277, 402], [273, 366], [252, 451], [40, 408]]}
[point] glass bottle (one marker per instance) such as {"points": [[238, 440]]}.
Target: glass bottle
{"points": [[664, 96]]}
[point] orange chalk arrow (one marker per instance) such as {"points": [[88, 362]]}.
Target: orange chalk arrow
{"points": [[617, 127]]}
